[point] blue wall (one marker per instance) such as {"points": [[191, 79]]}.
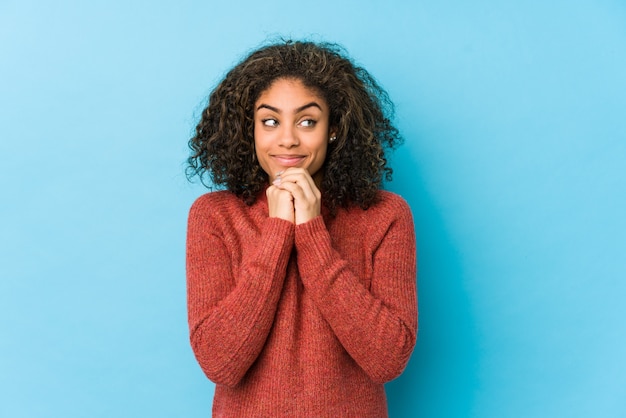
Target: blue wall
{"points": [[513, 114]]}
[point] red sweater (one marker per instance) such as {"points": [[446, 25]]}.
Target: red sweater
{"points": [[301, 321]]}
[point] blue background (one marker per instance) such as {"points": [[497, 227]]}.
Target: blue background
{"points": [[513, 114]]}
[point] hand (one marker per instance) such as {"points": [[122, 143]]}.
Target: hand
{"points": [[280, 204], [307, 199]]}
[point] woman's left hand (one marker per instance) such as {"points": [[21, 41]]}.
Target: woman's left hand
{"points": [[307, 199]]}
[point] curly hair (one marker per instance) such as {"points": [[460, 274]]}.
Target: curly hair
{"points": [[360, 114]]}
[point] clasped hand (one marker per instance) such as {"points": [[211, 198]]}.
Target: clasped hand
{"points": [[293, 196]]}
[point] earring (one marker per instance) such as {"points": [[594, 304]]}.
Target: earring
{"points": [[332, 139]]}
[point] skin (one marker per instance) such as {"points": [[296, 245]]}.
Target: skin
{"points": [[291, 134]]}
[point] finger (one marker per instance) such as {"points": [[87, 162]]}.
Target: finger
{"points": [[306, 203], [280, 203], [296, 172], [303, 179], [294, 189]]}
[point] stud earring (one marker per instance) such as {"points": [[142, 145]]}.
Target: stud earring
{"points": [[332, 139]]}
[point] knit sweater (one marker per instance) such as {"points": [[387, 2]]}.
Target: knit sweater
{"points": [[301, 320]]}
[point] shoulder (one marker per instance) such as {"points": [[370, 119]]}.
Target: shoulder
{"points": [[389, 209], [392, 199], [217, 205], [222, 208], [213, 200], [390, 217], [390, 205]]}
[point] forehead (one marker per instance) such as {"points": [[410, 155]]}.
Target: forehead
{"points": [[290, 91]]}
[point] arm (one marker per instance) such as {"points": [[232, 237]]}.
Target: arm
{"points": [[376, 326], [231, 310]]}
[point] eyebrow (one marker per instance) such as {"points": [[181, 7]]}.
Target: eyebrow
{"points": [[298, 110]]}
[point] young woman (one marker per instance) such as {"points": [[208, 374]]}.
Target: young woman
{"points": [[301, 273]]}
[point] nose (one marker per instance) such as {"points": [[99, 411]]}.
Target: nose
{"points": [[289, 138]]}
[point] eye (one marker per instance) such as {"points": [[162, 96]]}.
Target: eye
{"points": [[270, 122], [308, 123]]}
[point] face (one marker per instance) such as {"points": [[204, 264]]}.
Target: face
{"points": [[291, 128]]}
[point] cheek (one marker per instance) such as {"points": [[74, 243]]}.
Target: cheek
{"points": [[262, 137], [320, 158], [258, 141], [322, 149], [260, 152]]}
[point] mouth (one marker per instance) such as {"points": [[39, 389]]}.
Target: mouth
{"points": [[288, 160]]}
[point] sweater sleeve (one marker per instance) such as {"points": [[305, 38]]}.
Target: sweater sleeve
{"points": [[230, 310], [376, 326]]}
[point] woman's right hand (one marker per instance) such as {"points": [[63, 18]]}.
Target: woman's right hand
{"points": [[280, 204]]}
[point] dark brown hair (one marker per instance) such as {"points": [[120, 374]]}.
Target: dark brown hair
{"points": [[360, 114]]}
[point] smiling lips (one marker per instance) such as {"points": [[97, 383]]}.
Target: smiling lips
{"points": [[286, 160]]}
